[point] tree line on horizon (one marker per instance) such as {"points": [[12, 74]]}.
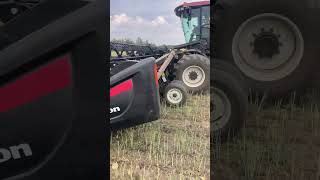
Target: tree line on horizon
{"points": [[139, 41]]}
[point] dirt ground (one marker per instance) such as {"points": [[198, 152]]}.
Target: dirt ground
{"points": [[175, 147], [281, 141]]}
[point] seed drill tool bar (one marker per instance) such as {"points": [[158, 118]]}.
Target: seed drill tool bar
{"points": [[137, 52]]}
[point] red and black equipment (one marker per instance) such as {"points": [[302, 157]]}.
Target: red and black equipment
{"points": [[53, 92], [134, 93]]}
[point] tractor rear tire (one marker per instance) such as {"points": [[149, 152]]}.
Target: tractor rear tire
{"points": [[272, 42], [228, 104], [194, 71]]}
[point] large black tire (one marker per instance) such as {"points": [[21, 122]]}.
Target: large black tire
{"points": [[229, 104], [272, 42], [231, 69], [175, 94], [194, 71]]}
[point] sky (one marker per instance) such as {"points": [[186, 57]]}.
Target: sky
{"points": [[152, 20]]}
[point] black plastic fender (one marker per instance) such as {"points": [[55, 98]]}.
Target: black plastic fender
{"points": [[134, 94]]}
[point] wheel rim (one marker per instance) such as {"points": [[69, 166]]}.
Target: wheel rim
{"points": [[268, 47], [193, 76], [174, 96], [220, 108]]}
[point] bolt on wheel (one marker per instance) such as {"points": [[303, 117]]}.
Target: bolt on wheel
{"points": [[193, 76], [220, 108], [268, 47], [175, 93], [174, 96]]}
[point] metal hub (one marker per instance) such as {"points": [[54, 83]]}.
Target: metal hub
{"points": [[174, 96], [268, 47], [193, 76], [266, 44], [220, 108]]}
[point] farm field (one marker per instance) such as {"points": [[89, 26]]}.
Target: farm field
{"points": [[175, 147], [281, 141]]}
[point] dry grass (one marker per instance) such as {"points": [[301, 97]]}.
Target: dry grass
{"points": [[281, 141], [174, 147]]}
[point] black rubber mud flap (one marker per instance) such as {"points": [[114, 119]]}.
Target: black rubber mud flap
{"points": [[134, 95], [53, 88]]}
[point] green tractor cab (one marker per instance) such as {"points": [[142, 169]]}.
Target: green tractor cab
{"points": [[228, 91], [195, 20]]}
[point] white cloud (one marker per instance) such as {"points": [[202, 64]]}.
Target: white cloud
{"points": [[125, 20], [119, 19], [144, 18], [160, 20], [157, 30]]}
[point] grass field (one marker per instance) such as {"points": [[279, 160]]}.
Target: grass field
{"points": [[281, 141], [174, 147]]}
